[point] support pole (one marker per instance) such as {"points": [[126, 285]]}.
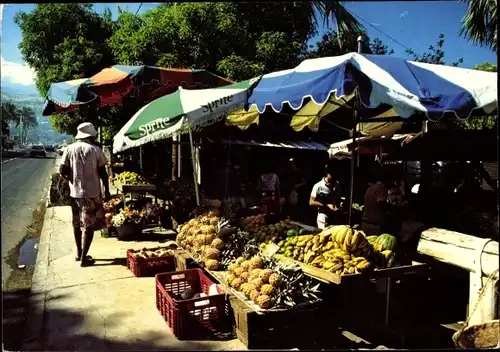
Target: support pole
{"points": [[140, 157], [354, 143], [195, 178], [179, 158], [174, 157]]}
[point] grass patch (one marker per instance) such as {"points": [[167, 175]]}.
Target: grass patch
{"points": [[16, 292]]}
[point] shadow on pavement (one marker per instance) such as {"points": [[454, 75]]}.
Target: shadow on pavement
{"points": [[69, 330]]}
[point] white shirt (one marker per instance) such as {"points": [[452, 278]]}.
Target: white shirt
{"points": [[84, 159], [326, 194]]}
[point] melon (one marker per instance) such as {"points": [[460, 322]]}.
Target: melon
{"points": [[386, 242]]}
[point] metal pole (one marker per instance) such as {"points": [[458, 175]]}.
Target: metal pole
{"points": [[354, 144], [195, 178]]}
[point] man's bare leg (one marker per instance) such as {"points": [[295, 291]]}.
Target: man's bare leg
{"points": [[77, 231], [88, 236]]}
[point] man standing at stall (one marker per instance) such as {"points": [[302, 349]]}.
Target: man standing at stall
{"points": [[326, 196], [83, 164]]}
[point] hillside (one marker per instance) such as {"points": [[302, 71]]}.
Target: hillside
{"points": [[27, 98]]}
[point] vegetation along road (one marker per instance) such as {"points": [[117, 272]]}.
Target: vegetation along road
{"points": [[24, 189]]}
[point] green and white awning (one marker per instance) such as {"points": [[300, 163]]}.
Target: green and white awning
{"points": [[180, 112]]}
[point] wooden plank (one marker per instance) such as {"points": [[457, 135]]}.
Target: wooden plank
{"points": [[138, 188], [458, 249], [329, 277]]}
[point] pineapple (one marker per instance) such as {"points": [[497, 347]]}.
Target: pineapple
{"points": [[275, 280], [265, 274], [208, 238], [257, 283], [212, 264], [211, 228], [229, 278], [240, 260], [267, 290], [254, 294], [231, 267], [256, 263], [218, 244], [255, 273], [212, 253], [238, 271], [246, 288], [214, 221], [264, 302], [236, 283], [245, 276], [245, 265]]}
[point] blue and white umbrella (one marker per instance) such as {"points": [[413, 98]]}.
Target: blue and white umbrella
{"points": [[409, 87]]}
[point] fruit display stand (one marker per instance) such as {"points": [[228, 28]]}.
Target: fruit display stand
{"points": [[328, 277], [260, 328]]}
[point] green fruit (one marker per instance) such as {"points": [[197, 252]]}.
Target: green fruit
{"points": [[302, 232], [386, 241], [292, 233], [281, 243], [288, 253]]}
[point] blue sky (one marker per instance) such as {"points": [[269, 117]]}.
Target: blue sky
{"points": [[415, 24]]}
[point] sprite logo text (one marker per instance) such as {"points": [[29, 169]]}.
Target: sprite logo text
{"points": [[217, 104]]}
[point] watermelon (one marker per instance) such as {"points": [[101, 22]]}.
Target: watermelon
{"points": [[292, 233], [302, 232], [386, 242]]}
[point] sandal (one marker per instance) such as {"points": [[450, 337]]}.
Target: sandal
{"points": [[87, 261]]}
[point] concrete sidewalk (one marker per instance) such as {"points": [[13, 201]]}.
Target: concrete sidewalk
{"points": [[100, 308]]}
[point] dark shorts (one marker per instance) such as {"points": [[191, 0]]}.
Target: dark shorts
{"points": [[88, 213]]}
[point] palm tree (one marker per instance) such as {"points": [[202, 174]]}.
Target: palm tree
{"points": [[479, 24], [29, 120], [345, 24], [10, 112]]}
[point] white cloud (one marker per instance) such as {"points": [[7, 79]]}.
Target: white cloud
{"points": [[17, 73], [403, 14]]}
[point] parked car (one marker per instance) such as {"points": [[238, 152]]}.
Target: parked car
{"points": [[50, 148], [37, 150]]}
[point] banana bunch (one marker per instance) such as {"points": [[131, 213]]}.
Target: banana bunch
{"points": [[351, 241], [384, 259], [306, 246], [341, 263]]}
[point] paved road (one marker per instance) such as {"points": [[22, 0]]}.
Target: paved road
{"points": [[24, 183]]}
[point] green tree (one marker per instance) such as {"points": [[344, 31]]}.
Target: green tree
{"points": [[435, 55], [10, 112], [328, 45], [236, 40], [479, 24]]}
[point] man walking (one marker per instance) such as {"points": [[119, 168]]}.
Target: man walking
{"points": [[326, 196], [84, 165]]}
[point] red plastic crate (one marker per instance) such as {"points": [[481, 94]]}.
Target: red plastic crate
{"points": [[144, 267], [191, 318]]}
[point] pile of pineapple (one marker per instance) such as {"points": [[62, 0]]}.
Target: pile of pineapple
{"points": [[256, 282], [200, 237]]}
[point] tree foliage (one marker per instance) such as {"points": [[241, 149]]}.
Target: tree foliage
{"points": [[328, 45], [479, 24], [435, 55], [237, 40], [16, 116]]}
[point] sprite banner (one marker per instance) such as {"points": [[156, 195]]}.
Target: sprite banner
{"points": [[180, 112]]}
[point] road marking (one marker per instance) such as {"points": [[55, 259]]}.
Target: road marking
{"points": [[5, 161]]}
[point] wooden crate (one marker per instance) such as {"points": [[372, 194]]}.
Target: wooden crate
{"points": [[329, 277], [274, 329], [184, 261]]}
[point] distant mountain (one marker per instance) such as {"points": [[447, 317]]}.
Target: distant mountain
{"points": [[16, 88]]}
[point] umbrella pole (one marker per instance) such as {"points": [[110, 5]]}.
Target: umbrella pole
{"points": [[353, 156], [195, 178], [354, 144]]}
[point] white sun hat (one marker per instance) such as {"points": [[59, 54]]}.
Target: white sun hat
{"points": [[86, 130]]}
